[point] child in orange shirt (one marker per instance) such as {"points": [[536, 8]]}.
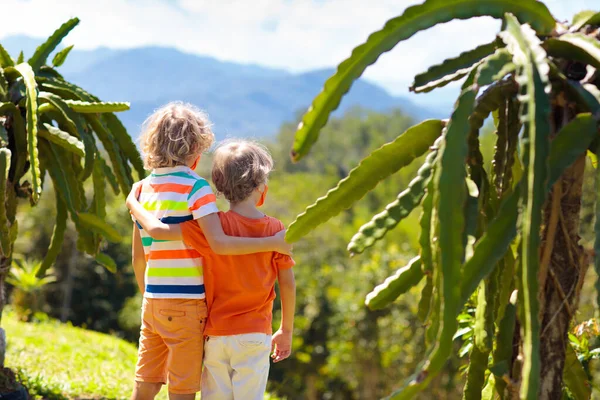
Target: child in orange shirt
{"points": [[239, 289]]}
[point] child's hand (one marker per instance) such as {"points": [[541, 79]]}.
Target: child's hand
{"points": [[281, 345], [283, 247], [134, 194]]}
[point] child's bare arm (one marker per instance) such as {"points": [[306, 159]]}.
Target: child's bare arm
{"points": [[282, 339], [155, 228], [138, 259], [222, 244]]}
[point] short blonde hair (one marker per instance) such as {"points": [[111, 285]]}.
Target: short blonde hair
{"points": [[239, 167], [173, 134]]}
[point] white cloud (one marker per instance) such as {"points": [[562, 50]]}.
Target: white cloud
{"points": [[297, 35]]}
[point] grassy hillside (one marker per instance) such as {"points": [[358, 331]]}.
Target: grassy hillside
{"points": [[60, 361]]}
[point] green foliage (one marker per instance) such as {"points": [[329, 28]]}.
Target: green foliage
{"points": [[587, 17], [43, 51], [530, 57], [5, 59], [482, 216], [63, 139], [24, 276], [395, 285], [45, 129], [575, 377], [61, 56], [576, 46], [32, 127], [96, 107], [28, 282], [5, 245], [397, 210], [58, 236], [378, 165], [451, 69]]}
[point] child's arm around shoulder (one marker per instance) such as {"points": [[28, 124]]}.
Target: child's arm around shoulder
{"points": [[222, 244], [211, 226], [202, 204]]}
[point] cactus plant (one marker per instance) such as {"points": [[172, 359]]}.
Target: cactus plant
{"points": [[48, 130], [507, 240]]}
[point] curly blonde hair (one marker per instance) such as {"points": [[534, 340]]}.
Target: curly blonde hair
{"points": [[173, 134], [239, 167]]}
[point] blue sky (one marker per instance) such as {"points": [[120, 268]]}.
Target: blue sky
{"points": [[296, 35]]}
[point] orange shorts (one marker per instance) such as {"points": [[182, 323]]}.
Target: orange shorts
{"points": [[172, 343]]}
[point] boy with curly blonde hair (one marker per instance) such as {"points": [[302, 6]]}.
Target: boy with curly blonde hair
{"points": [[169, 272], [240, 289]]}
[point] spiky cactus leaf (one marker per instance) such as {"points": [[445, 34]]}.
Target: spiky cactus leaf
{"points": [[5, 243], [58, 236], [451, 69], [99, 188], [5, 59], [380, 164], [125, 142], [21, 58], [61, 180], [43, 51], [20, 137], [3, 86], [96, 107], [61, 56], [32, 115], [118, 163], [572, 141], [107, 262], [407, 200], [96, 224], [413, 20], [531, 59], [60, 86], [110, 176], [63, 139], [395, 285], [575, 46], [74, 124], [587, 17], [575, 376], [48, 72]]}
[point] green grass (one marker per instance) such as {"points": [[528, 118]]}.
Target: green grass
{"points": [[58, 361]]}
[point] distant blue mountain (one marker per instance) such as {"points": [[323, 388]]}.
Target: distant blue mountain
{"points": [[241, 99]]}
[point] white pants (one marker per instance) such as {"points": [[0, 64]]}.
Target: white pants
{"points": [[236, 367]]}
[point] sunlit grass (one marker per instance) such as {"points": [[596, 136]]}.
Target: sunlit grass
{"points": [[58, 361]]}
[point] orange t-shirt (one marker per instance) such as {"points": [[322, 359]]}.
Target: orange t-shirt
{"points": [[239, 289]]}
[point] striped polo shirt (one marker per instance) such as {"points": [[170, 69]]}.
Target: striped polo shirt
{"points": [[174, 195]]}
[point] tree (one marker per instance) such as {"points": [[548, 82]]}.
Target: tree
{"points": [[47, 126], [508, 240]]}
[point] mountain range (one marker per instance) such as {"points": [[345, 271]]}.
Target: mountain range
{"points": [[241, 99]]}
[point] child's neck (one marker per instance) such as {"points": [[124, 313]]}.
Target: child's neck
{"points": [[246, 208]]}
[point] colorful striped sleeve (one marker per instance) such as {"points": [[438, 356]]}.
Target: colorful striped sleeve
{"points": [[202, 200]]}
